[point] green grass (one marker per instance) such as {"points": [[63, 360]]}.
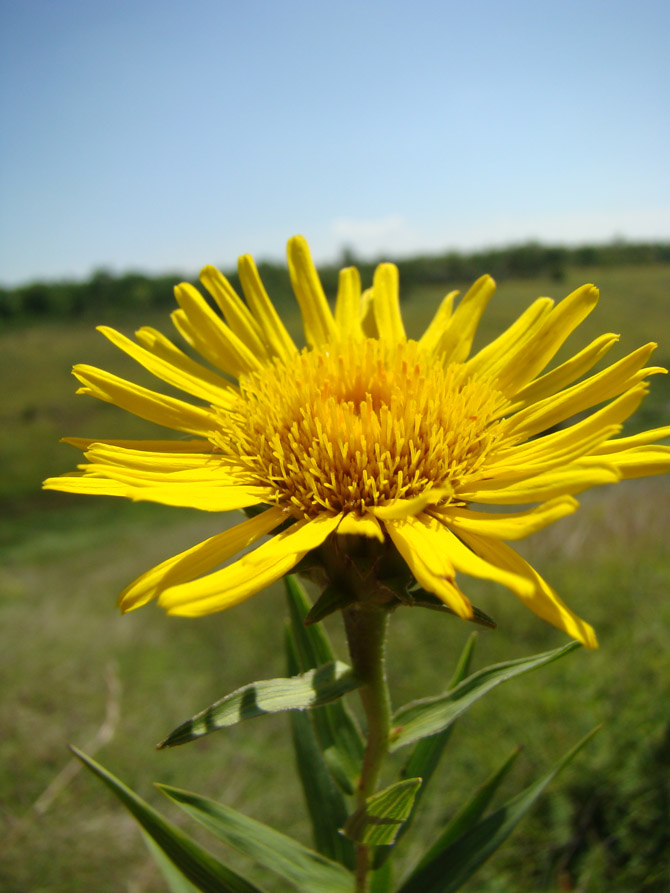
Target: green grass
{"points": [[604, 825]]}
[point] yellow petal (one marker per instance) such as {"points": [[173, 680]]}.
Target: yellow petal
{"points": [[205, 497], [429, 564], [490, 359], [456, 341], [641, 461], [542, 599], [254, 571], [155, 446], [156, 343], [161, 465], [431, 337], [608, 383], [556, 326], [348, 304], [153, 461], [567, 372], [317, 319], [386, 303], [139, 473], [562, 447], [86, 484], [576, 477], [278, 340], [636, 440], [236, 314], [361, 525], [468, 562], [113, 482], [532, 463], [404, 508], [509, 526], [199, 559], [149, 405], [175, 370], [368, 323], [212, 337]]}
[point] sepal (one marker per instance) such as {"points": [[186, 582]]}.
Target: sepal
{"points": [[331, 599], [421, 598]]}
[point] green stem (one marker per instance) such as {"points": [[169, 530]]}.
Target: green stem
{"points": [[365, 625]]}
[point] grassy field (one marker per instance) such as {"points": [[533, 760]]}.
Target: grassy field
{"points": [[73, 671]]}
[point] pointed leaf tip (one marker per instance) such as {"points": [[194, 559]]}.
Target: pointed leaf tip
{"points": [[314, 688], [195, 863]]}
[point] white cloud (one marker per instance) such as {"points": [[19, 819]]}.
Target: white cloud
{"points": [[372, 238]]}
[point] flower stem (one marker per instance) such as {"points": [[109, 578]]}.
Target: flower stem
{"points": [[365, 626]]}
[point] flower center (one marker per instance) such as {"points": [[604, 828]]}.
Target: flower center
{"points": [[358, 424]]}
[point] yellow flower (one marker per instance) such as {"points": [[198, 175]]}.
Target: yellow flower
{"points": [[368, 433]]}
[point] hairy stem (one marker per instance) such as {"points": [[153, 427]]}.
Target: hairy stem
{"points": [[365, 625]]}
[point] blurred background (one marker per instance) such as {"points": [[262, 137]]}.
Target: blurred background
{"points": [[144, 140]]}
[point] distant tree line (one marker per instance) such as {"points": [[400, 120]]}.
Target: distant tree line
{"points": [[109, 293]]}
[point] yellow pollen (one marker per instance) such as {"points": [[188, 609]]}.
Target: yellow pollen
{"points": [[356, 425]]}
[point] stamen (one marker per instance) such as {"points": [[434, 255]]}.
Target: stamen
{"points": [[358, 425]]}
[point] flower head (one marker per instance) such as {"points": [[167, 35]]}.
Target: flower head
{"points": [[366, 433]]}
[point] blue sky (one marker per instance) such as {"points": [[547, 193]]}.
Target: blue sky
{"points": [[167, 135]]}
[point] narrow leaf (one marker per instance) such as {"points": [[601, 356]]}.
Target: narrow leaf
{"points": [[471, 811], [381, 879], [431, 715], [338, 735], [449, 870], [302, 867], [202, 869], [325, 801], [312, 689], [427, 752], [312, 642], [377, 822], [175, 880]]}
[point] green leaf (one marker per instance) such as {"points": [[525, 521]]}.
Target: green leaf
{"points": [[175, 880], [202, 869], [427, 752], [338, 735], [456, 864], [381, 879], [325, 801], [471, 811], [377, 822], [431, 715], [302, 867], [312, 689], [311, 642]]}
